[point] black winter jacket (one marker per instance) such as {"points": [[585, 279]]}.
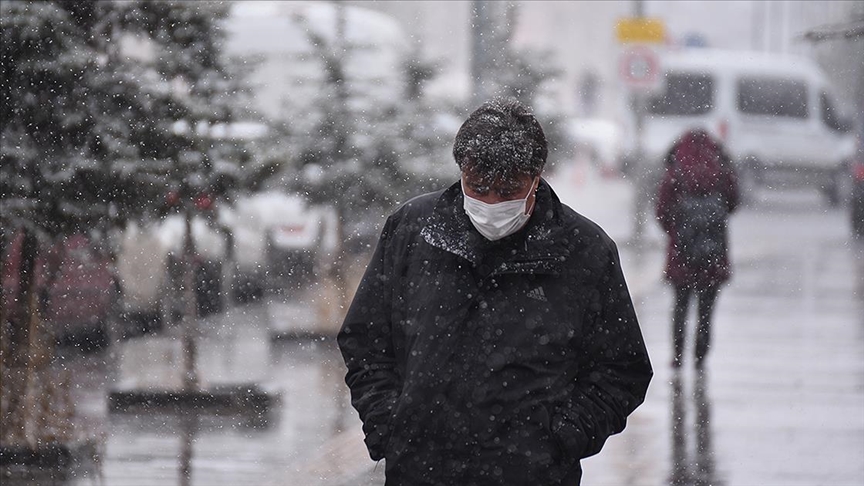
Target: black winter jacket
{"points": [[473, 362]]}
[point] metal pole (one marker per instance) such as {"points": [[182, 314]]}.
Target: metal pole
{"points": [[339, 48], [480, 34], [757, 12], [190, 312], [642, 198], [784, 27]]}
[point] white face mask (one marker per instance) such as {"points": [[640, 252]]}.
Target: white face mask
{"points": [[495, 221]]}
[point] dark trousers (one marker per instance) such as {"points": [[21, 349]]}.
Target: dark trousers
{"points": [[705, 298]]}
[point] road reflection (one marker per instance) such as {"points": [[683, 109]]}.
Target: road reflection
{"points": [[188, 429], [692, 446]]}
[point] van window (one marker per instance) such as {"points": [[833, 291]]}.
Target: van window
{"points": [[832, 118], [773, 97], [685, 95]]}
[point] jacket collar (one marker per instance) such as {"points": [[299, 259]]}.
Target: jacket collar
{"points": [[538, 247]]}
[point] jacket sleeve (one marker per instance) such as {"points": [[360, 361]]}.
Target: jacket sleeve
{"points": [[614, 370], [367, 348]]}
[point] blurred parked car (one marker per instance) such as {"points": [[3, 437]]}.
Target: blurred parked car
{"points": [[85, 294], [856, 201], [278, 239], [244, 250], [149, 265], [856, 198], [294, 249]]}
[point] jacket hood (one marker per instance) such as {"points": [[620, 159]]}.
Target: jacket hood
{"points": [[698, 161]]}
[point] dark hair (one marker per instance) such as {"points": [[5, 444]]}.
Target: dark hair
{"points": [[501, 140]]}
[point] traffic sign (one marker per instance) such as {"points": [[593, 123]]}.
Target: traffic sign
{"points": [[639, 67], [640, 30]]}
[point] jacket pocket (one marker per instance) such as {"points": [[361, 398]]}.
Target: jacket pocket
{"points": [[524, 448]]}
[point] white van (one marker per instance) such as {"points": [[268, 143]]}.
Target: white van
{"points": [[777, 116]]}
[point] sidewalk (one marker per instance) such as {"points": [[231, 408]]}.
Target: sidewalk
{"points": [[271, 342], [781, 403], [608, 201], [343, 461]]}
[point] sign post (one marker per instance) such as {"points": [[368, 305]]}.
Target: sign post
{"points": [[639, 71]]}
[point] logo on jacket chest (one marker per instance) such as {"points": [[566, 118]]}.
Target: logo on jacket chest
{"points": [[537, 293]]}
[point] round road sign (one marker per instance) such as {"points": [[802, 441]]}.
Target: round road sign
{"points": [[639, 67]]}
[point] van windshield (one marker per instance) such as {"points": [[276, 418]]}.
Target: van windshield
{"points": [[686, 94], [772, 97]]}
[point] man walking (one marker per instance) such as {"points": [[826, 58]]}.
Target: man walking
{"points": [[492, 339]]}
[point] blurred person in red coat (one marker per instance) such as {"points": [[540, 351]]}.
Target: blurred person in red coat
{"points": [[697, 194]]}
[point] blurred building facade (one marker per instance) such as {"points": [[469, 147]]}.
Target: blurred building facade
{"points": [[287, 44]]}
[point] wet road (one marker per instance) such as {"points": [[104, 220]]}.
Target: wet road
{"points": [[781, 401]]}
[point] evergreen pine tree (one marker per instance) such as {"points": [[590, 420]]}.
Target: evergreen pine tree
{"points": [[351, 150], [94, 97]]}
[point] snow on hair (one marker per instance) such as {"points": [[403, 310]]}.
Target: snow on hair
{"points": [[501, 140]]}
